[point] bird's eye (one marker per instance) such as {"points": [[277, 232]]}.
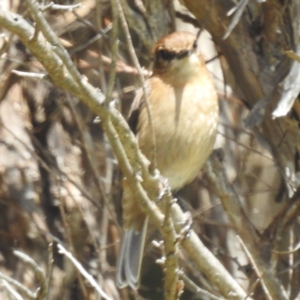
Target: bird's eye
{"points": [[166, 55]]}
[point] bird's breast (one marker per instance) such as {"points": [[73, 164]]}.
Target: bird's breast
{"points": [[184, 122]]}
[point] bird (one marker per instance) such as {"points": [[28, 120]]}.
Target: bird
{"points": [[183, 119]]}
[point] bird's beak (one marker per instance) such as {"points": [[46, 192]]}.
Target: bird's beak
{"points": [[183, 54]]}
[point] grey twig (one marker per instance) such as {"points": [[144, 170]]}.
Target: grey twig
{"points": [[237, 11], [114, 52], [11, 291], [29, 74], [39, 272], [84, 273], [253, 263], [20, 287], [196, 289], [60, 7]]}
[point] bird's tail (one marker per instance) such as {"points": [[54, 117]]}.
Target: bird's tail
{"points": [[130, 257]]}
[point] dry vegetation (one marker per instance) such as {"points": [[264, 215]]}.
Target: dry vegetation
{"points": [[60, 163]]}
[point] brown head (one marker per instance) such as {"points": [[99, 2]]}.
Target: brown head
{"points": [[176, 54]]}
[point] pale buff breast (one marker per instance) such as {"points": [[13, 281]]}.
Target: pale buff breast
{"points": [[185, 123]]}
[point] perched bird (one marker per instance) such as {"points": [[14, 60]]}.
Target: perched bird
{"points": [[184, 117]]}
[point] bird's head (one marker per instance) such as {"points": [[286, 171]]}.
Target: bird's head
{"points": [[176, 57]]}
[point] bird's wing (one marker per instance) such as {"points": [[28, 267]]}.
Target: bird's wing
{"points": [[136, 106]]}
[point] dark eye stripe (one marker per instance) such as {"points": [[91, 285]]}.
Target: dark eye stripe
{"points": [[166, 55], [169, 55], [182, 54]]}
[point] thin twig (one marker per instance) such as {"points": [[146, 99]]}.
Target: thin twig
{"points": [[136, 63], [237, 11], [84, 273], [60, 7], [69, 238], [29, 74], [253, 263], [114, 52], [196, 289], [39, 272], [252, 288], [20, 287], [11, 291]]}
